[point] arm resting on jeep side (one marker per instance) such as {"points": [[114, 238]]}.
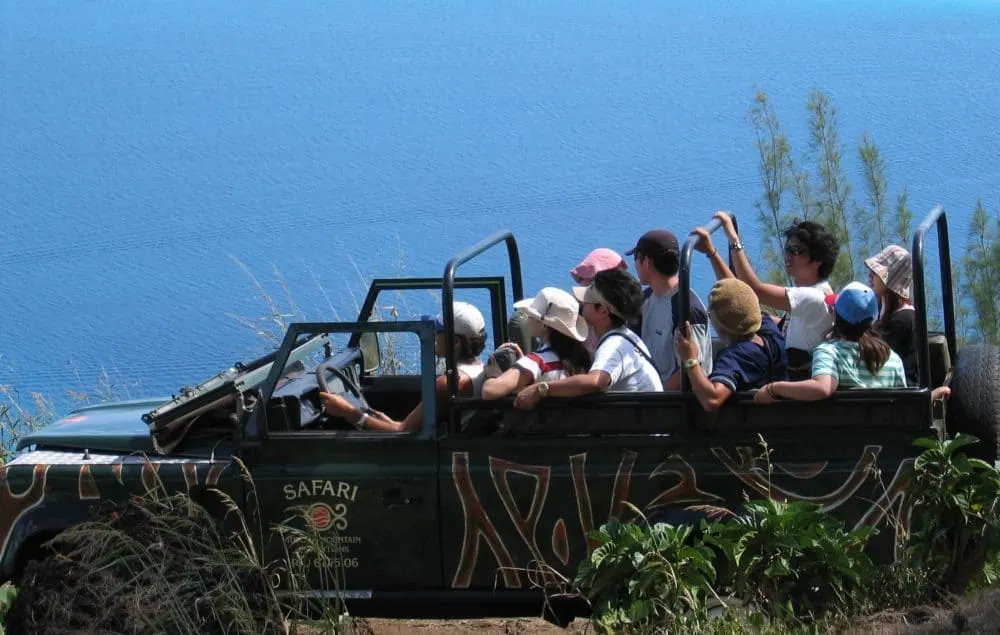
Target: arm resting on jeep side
{"points": [[575, 386], [819, 387], [711, 394], [579, 385], [512, 380]]}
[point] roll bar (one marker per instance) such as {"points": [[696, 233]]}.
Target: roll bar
{"points": [[936, 218], [685, 275], [448, 293]]}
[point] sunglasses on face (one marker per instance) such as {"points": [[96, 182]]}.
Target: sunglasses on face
{"points": [[795, 250]]}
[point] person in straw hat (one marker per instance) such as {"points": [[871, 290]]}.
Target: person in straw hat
{"points": [[754, 353], [554, 318], [890, 274]]}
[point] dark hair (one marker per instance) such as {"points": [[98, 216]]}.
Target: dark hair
{"points": [[622, 291], [891, 303], [574, 355], [469, 347], [666, 261], [873, 349], [823, 246]]}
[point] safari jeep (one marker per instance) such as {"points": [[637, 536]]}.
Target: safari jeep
{"points": [[476, 510]]}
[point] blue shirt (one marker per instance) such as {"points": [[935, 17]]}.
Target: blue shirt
{"points": [[744, 365]]}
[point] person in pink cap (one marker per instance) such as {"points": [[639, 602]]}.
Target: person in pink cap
{"points": [[598, 260]]}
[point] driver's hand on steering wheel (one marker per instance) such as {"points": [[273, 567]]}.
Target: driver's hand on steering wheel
{"points": [[336, 405]]}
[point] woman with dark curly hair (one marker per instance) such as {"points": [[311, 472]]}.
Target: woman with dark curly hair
{"points": [[810, 254]]}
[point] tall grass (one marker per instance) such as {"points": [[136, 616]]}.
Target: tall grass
{"points": [[177, 563]]}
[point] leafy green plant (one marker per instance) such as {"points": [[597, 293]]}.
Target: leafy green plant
{"points": [[642, 576], [8, 592], [791, 561], [956, 509]]}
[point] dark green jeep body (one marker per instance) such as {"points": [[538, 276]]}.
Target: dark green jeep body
{"points": [[485, 501]]}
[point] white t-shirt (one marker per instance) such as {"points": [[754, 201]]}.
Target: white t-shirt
{"points": [[809, 317], [543, 364], [618, 355]]}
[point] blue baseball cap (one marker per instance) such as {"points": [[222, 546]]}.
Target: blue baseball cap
{"points": [[855, 303]]}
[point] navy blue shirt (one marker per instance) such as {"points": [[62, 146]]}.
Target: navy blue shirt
{"points": [[744, 365]]}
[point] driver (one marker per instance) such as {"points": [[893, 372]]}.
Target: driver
{"points": [[470, 340]]}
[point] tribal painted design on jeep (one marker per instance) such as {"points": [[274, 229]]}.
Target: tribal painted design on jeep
{"points": [[478, 525], [746, 466], [749, 469], [14, 506]]}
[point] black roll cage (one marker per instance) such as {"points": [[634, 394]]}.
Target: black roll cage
{"points": [[936, 218]]}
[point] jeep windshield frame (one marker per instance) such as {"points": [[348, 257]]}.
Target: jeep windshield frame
{"points": [[257, 427], [495, 285], [937, 219]]}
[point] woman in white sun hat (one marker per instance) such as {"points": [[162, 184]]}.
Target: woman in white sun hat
{"points": [[554, 316]]}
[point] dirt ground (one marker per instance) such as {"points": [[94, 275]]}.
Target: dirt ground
{"points": [[481, 626], [477, 626]]}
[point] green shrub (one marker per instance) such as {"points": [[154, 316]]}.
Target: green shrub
{"points": [[642, 576], [792, 561], [956, 509]]}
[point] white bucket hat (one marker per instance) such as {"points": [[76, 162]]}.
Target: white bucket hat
{"points": [[558, 310]]}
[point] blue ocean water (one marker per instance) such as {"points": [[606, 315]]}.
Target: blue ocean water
{"points": [[144, 147]]}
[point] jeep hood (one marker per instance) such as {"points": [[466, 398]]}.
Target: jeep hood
{"points": [[112, 427]]}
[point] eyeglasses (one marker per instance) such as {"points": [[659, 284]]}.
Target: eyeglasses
{"points": [[795, 250]]}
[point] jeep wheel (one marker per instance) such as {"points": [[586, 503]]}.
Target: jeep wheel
{"points": [[974, 406]]}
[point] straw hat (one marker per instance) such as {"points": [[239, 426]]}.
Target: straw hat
{"points": [[735, 307], [558, 310]]}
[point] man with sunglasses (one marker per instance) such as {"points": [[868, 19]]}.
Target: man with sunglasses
{"points": [[810, 254]]}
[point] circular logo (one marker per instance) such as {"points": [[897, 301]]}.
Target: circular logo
{"points": [[320, 516]]}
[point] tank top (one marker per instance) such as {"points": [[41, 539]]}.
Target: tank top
{"points": [[474, 371]]}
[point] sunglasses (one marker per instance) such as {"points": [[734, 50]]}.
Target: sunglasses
{"points": [[795, 250]]}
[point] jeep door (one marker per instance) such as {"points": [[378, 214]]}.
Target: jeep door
{"points": [[371, 496]]}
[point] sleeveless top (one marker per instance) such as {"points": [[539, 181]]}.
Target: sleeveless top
{"points": [[473, 371]]}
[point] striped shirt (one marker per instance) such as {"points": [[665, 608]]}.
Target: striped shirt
{"points": [[841, 359], [542, 365]]}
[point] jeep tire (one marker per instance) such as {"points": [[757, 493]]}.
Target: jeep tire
{"points": [[974, 406]]}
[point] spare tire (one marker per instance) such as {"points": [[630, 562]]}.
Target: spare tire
{"points": [[974, 406]]}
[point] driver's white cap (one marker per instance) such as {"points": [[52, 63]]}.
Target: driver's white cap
{"points": [[468, 320]]}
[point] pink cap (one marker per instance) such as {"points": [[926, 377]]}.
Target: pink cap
{"points": [[600, 259]]}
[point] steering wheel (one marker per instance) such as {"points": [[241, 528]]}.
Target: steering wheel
{"points": [[354, 395]]}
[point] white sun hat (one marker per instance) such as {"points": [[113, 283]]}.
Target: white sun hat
{"points": [[558, 310]]}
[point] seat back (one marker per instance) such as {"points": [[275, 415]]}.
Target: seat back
{"points": [[519, 332], [940, 358]]}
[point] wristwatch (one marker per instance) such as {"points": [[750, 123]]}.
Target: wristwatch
{"points": [[690, 363], [736, 246], [543, 389]]}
